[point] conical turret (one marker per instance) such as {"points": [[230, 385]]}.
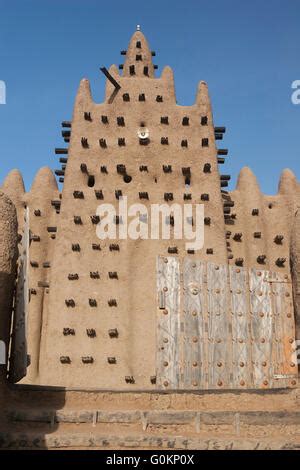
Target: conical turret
{"points": [[288, 182], [138, 58], [44, 182]]}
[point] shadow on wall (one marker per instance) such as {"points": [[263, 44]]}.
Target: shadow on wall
{"points": [[28, 414]]}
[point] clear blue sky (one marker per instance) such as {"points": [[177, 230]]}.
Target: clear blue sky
{"points": [[247, 51]]}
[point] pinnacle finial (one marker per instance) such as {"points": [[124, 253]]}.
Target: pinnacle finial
{"points": [[138, 60], [138, 27]]}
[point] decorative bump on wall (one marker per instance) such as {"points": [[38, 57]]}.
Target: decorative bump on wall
{"points": [[91, 332], [239, 261], [83, 168], [78, 195], [129, 379], [207, 168], [167, 168], [238, 237], [95, 219], [261, 259], [143, 168], [65, 359], [278, 239], [94, 275], [35, 238], [84, 142], [113, 275], [75, 247], [87, 116], [68, 331], [99, 194], [118, 193], [77, 220], [120, 121], [102, 143], [113, 333], [87, 359], [280, 262], [34, 264], [114, 247], [111, 360], [121, 169], [168, 196], [121, 141], [96, 246]]}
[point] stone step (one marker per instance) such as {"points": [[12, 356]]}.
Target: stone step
{"points": [[87, 440], [146, 417]]}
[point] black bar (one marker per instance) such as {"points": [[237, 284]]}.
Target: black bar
{"points": [[220, 130], [222, 151], [110, 78], [66, 133], [225, 177]]}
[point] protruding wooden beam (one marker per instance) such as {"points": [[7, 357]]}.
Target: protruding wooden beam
{"points": [[110, 77]]}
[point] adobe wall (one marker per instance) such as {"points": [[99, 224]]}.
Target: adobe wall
{"points": [[134, 290], [242, 227]]}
